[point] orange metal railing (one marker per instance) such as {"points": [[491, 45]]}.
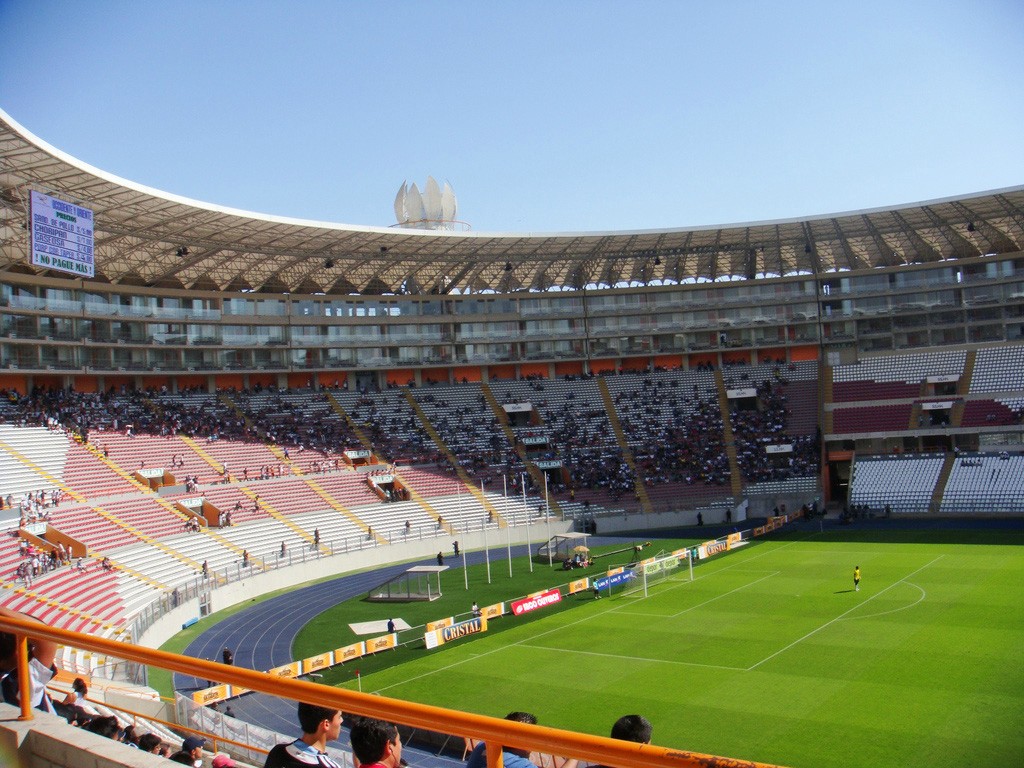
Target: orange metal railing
{"points": [[493, 731]]}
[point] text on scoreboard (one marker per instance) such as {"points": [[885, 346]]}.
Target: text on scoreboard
{"points": [[62, 236]]}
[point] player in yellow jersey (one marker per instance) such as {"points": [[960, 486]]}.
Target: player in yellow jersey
{"points": [[856, 578]]}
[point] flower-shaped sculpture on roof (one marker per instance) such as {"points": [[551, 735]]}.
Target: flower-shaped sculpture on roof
{"points": [[433, 208]]}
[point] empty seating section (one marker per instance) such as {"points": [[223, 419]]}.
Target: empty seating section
{"points": [[430, 483], [169, 453], [803, 411], [83, 600], [987, 483], [909, 369], [46, 451], [995, 371], [860, 391], [905, 483], [350, 489], [803, 486], [83, 523], [879, 418], [990, 413], [999, 370], [892, 377], [9, 558], [90, 477]]}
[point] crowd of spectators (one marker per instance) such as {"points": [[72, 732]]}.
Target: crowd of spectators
{"points": [[674, 429], [763, 424], [675, 433], [36, 561]]}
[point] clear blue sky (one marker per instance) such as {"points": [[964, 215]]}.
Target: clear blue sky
{"points": [[544, 116]]}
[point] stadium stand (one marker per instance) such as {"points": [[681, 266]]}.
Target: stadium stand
{"points": [[905, 483], [180, 450]]}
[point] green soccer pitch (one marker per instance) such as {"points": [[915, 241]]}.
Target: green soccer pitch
{"points": [[768, 654]]}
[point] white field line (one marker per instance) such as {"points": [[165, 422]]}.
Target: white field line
{"points": [[841, 616], [683, 578], [924, 594], [528, 642], [446, 668]]}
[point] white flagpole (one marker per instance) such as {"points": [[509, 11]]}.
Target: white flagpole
{"points": [[547, 515], [487, 551], [508, 540], [462, 514], [529, 542]]}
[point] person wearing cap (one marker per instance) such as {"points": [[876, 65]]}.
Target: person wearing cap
{"points": [[319, 725], [223, 761], [193, 745]]}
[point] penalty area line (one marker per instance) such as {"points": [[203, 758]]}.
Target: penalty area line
{"points": [[843, 615]]}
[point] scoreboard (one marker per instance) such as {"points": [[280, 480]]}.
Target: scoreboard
{"points": [[61, 236]]}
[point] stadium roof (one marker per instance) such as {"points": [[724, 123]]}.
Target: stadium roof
{"points": [[145, 237]]}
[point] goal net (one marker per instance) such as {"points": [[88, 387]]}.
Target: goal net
{"points": [[657, 569]]}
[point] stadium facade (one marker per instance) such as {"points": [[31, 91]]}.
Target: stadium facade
{"points": [[191, 295]]}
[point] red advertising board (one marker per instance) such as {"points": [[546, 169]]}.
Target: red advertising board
{"points": [[532, 603]]}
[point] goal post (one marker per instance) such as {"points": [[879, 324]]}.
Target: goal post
{"points": [[656, 569]]}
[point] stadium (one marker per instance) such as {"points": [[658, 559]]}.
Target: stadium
{"points": [[203, 407]]}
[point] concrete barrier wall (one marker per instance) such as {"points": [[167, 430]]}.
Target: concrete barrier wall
{"points": [[47, 741]]}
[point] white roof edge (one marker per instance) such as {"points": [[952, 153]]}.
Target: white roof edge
{"points": [[82, 165]]}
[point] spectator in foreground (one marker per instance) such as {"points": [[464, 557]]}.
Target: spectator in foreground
{"points": [[149, 742], [108, 727], [193, 745], [512, 757], [319, 725], [376, 743], [73, 708], [41, 654], [636, 728], [633, 728]]}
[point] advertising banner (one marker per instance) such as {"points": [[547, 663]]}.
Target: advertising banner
{"points": [[349, 652], [493, 611], [619, 576], [316, 663], [439, 637], [382, 643], [439, 624], [709, 548], [580, 585], [288, 670], [210, 695], [539, 600]]}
